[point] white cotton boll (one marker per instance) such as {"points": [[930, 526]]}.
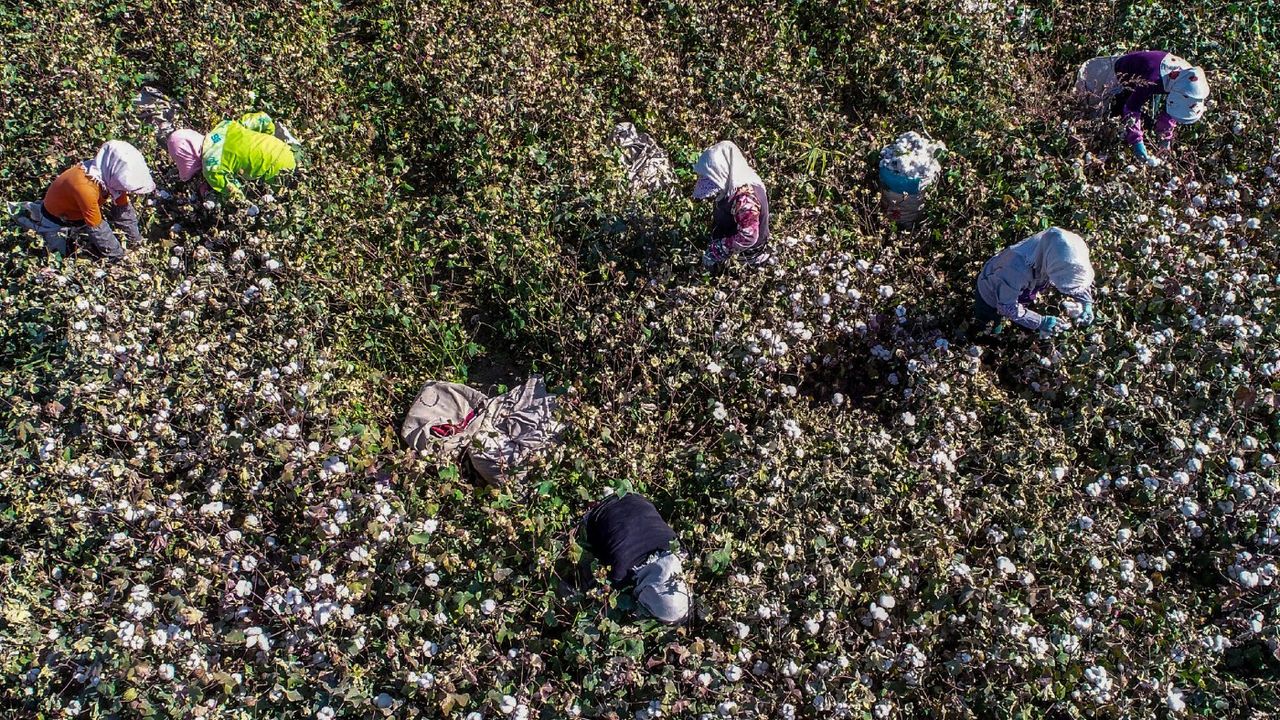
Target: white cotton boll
{"points": [[733, 673], [488, 607], [1173, 700], [1005, 565]]}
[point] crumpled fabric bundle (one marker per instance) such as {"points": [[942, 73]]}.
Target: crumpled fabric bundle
{"points": [[156, 109], [443, 417], [648, 167], [516, 425], [498, 435]]}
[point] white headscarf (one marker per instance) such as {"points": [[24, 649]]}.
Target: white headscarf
{"points": [[1064, 258], [661, 590], [120, 168], [1188, 89], [721, 169]]}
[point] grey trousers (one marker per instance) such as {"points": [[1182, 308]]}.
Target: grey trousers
{"points": [[99, 238]]}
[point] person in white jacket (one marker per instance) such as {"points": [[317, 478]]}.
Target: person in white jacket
{"points": [[1011, 280]]}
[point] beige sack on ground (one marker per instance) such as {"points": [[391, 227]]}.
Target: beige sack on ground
{"points": [[456, 411]]}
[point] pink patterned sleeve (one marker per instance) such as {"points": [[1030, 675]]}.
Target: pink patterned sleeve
{"points": [[746, 212], [1165, 127]]}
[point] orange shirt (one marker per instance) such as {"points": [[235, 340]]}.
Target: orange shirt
{"points": [[75, 197]]}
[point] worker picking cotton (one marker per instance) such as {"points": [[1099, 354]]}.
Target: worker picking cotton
{"points": [[1012, 280], [1123, 85], [630, 538], [254, 147], [88, 199], [740, 221]]}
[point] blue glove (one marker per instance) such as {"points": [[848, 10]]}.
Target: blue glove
{"points": [[1086, 315], [1050, 325], [1140, 149]]}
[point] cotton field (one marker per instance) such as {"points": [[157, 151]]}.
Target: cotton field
{"points": [[883, 510]]}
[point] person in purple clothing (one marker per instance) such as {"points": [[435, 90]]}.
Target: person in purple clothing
{"points": [[1124, 84], [1011, 280]]}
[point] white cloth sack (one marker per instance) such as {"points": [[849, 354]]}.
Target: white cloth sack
{"points": [[1096, 82], [498, 435], [30, 215]]}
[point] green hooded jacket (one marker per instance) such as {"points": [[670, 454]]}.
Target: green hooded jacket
{"points": [[244, 149]]}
